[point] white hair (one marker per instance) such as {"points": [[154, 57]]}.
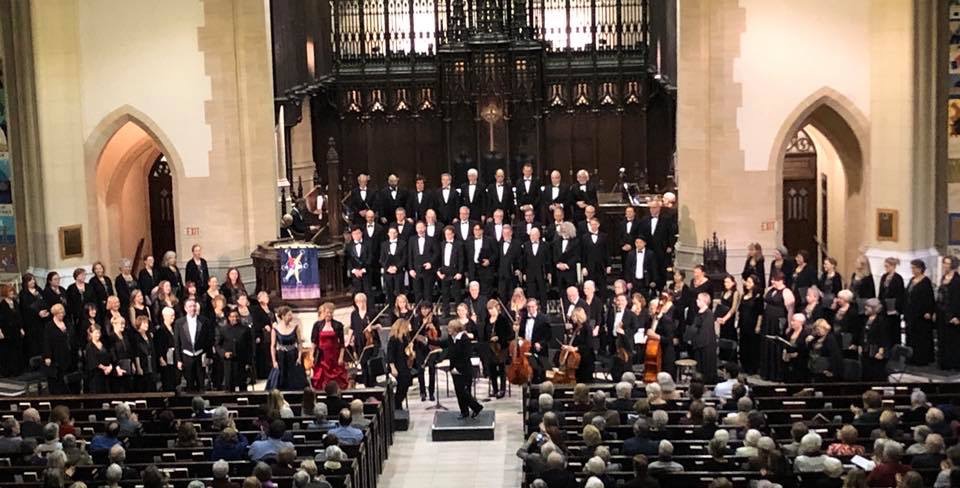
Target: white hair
{"points": [[472, 172], [545, 402], [799, 317], [810, 443], [593, 482], [624, 389], [220, 469], [595, 465]]}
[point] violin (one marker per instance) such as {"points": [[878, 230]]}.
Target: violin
{"points": [[368, 331]]}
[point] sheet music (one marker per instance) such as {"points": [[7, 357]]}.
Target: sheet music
{"points": [[640, 337]]}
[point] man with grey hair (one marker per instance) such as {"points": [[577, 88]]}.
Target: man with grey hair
{"points": [[112, 475], [118, 455], [624, 391], [598, 406], [918, 408], [320, 421], [51, 440], [356, 411], [471, 195], [31, 426], [596, 467], [557, 473], [221, 475], [544, 405], [933, 456], [11, 442], [127, 421], [664, 462], [810, 459]]}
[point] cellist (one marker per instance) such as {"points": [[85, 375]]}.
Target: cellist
{"points": [[502, 330], [623, 325], [398, 361], [581, 343], [664, 329]]}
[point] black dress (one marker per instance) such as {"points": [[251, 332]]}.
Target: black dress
{"points": [[261, 338], [829, 286], [682, 301], [123, 357], [30, 306], [862, 288], [948, 335], [125, 286], [816, 313], [848, 327], [76, 299], [292, 376], [774, 324], [146, 280], [397, 358], [667, 329], [163, 344], [93, 358], [875, 337], [56, 348], [795, 370], [582, 341], [53, 296], [803, 278], [785, 267], [919, 301], [729, 329], [754, 269], [11, 346], [102, 288], [751, 308], [145, 359], [891, 296], [164, 273]]}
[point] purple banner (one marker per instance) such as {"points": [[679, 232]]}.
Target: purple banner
{"points": [[299, 275]]}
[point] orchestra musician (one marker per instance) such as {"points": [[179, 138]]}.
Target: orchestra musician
{"points": [[581, 335], [664, 328], [361, 329], [535, 329], [424, 324], [501, 327], [397, 359], [623, 326]]}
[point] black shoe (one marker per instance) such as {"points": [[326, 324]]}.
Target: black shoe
{"points": [[432, 398], [477, 412], [501, 395], [423, 397], [461, 417]]}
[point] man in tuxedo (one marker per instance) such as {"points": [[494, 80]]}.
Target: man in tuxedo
{"points": [[535, 265], [390, 198], [594, 254], [583, 226], [197, 270], [434, 228], [572, 301], [701, 335], [372, 230], [450, 269], [494, 226], [481, 258], [661, 233], [393, 264], [471, 195], [535, 329], [476, 303], [459, 352], [499, 195], [405, 227], [422, 255], [447, 200], [582, 193], [362, 199], [552, 230], [523, 227], [565, 250], [623, 325], [640, 270], [527, 190], [508, 264], [627, 231], [554, 196], [192, 339], [463, 225], [359, 260], [420, 200]]}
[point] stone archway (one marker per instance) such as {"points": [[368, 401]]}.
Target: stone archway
{"points": [[843, 132], [120, 153]]}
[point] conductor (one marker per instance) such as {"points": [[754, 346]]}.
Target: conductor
{"points": [[459, 351]]}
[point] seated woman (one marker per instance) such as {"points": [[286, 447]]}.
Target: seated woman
{"points": [[847, 445]]}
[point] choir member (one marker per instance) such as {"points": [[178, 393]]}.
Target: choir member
{"points": [[702, 338], [420, 200], [53, 293], [476, 305], [329, 345], [593, 305], [501, 328], [494, 227], [804, 273], [58, 355], [919, 312], [171, 273], [552, 231], [207, 306], [393, 264], [726, 310], [459, 352], [390, 198], [509, 253], [623, 325], [397, 360], [480, 255], [164, 347], [359, 258], [861, 282], [463, 224], [285, 351], [628, 231], [372, 230], [700, 283], [527, 190], [891, 293], [527, 224], [147, 279], [145, 359], [34, 310], [164, 298], [98, 362], [11, 333], [749, 320], [88, 317], [232, 345], [246, 315], [125, 283], [262, 317], [191, 333], [78, 295], [595, 253], [360, 327], [424, 324], [663, 327], [660, 230], [948, 315], [682, 298], [555, 196], [123, 355], [362, 199], [813, 308], [233, 287], [825, 357], [535, 329], [101, 286], [876, 345], [795, 356], [472, 196], [197, 270], [754, 263], [582, 193], [778, 305], [447, 201], [113, 310], [423, 254], [830, 282], [781, 262], [434, 228], [138, 307], [499, 195], [405, 227], [584, 224], [566, 256], [535, 259], [450, 270]]}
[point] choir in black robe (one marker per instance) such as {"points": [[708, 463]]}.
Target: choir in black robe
{"points": [[919, 309]]}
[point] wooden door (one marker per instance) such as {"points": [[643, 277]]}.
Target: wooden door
{"points": [[800, 204], [162, 225]]}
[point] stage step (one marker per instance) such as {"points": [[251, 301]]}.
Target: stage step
{"points": [[447, 427]]}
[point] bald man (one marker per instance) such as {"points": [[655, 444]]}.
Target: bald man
{"points": [[555, 195], [472, 195], [499, 195]]}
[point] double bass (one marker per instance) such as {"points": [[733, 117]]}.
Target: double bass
{"points": [[652, 354], [568, 360], [520, 371]]}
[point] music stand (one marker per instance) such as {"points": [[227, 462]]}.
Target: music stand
{"points": [[434, 355]]}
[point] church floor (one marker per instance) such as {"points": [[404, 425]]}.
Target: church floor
{"points": [[418, 462]]}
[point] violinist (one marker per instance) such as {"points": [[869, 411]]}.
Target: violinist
{"points": [[399, 362], [366, 337], [580, 334], [502, 329], [401, 309], [623, 325], [425, 325]]}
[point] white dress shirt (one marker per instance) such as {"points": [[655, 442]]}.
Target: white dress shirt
{"points": [[471, 190], [506, 247], [499, 193], [192, 327], [445, 192], [464, 230], [653, 224], [526, 184], [638, 273], [498, 231], [420, 242], [563, 245], [477, 244], [629, 226], [447, 252], [528, 328], [393, 248], [363, 193], [370, 230], [357, 247], [431, 230], [554, 192], [535, 246]]}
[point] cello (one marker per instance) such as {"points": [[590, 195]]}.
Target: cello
{"points": [[568, 360], [652, 355], [520, 371]]}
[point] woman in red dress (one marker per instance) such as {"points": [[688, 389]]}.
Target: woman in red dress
{"points": [[328, 343]]}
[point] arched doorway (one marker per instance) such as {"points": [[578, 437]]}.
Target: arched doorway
{"points": [[162, 225], [823, 181]]}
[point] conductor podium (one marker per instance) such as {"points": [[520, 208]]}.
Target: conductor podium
{"points": [[447, 426]]}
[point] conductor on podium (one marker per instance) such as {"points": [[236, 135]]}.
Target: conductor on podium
{"points": [[459, 351]]}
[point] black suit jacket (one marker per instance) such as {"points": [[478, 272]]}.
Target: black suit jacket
{"points": [[416, 260], [199, 275], [490, 230], [446, 210], [362, 260], [457, 261], [418, 210], [521, 233], [663, 237], [541, 330], [493, 203], [536, 264], [630, 325], [458, 231], [182, 340], [387, 204], [650, 269], [459, 352], [409, 230], [524, 197], [488, 250], [595, 257], [628, 237], [398, 259], [358, 203], [571, 256], [477, 205], [588, 195], [563, 199], [509, 262], [701, 333]]}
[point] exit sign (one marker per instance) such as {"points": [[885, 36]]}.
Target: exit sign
{"points": [[193, 231], [767, 226]]}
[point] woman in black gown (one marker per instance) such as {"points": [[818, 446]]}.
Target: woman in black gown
{"points": [[726, 310], [101, 286], [813, 308], [262, 316], [892, 295], [948, 315], [919, 310], [580, 342], [749, 323], [286, 350], [138, 307], [11, 328], [778, 305], [501, 328], [125, 283], [847, 323], [78, 295], [876, 343], [861, 281], [397, 359], [825, 357], [784, 264], [145, 359], [830, 282], [97, 362], [795, 356], [682, 299], [123, 355], [53, 294], [58, 356], [700, 283], [804, 273], [664, 328], [163, 347], [233, 287], [147, 279], [34, 311], [753, 266], [170, 272]]}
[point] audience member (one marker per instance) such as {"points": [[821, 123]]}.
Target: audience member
{"points": [[918, 408], [356, 412], [31, 427], [810, 459], [101, 443], [933, 454], [886, 472], [797, 431], [920, 433], [951, 463], [556, 475], [128, 422], [624, 391], [335, 459], [187, 435], [221, 475], [320, 421], [640, 443], [264, 475], [665, 462], [598, 406], [230, 445], [76, 455], [749, 448], [51, 441], [348, 434], [268, 448], [731, 372], [11, 442], [847, 445]]}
